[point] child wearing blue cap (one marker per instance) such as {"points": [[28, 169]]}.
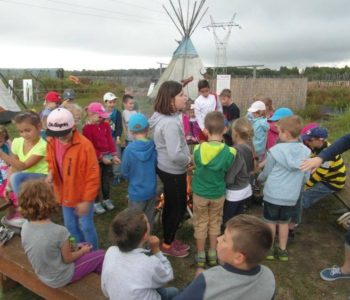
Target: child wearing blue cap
{"points": [[330, 176], [139, 167]]}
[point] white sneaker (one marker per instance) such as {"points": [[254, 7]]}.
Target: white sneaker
{"points": [[108, 204], [14, 222], [98, 208]]}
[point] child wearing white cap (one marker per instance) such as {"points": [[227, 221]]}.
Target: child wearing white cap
{"points": [[260, 127]]}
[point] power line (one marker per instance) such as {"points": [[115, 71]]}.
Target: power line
{"points": [[71, 12], [136, 5]]}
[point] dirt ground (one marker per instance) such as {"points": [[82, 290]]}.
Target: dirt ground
{"points": [[318, 244]]}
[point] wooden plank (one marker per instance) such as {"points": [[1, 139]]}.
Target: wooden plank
{"points": [[344, 194], [15, 265]]}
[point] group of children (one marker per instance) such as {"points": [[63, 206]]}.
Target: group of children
{"points": [[80, 167]]}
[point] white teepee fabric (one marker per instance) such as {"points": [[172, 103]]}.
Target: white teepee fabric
{"points": [[6, 101]]}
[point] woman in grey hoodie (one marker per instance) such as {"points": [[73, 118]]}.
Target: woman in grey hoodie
{"points": [[172, 161]]}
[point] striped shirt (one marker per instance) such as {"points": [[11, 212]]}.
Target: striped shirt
{"points": [[332, 173]]}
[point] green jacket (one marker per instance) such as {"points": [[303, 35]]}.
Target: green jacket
{"points": [[212, 161]]}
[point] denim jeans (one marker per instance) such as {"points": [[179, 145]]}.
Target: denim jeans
{"points": [[82, 228], [315, 193], [19, 177], [167, 293]]}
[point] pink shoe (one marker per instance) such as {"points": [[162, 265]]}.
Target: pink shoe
{"points": [[180, 245], [172, 251]]}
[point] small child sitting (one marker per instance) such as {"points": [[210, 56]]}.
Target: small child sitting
{"points": [[139, 167], [47, 245], [260, 126], [327, 179], [283, 181], [128, 272], [243, 246], [212, 160]]}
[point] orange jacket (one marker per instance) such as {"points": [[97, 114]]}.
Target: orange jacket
{"points": [[81, 178]]}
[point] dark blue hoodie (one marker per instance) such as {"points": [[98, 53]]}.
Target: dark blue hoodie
{"points": [[139, 168]]}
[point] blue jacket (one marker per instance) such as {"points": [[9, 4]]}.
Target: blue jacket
{"points": [[116, 118], [260, 127], [284, 180], [139, 168]]}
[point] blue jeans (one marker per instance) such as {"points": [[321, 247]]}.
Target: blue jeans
{"points": [[315, 193], [82, 228], [19, 177], [167, 293]]}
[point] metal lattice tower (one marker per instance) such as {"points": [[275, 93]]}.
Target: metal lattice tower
{"points": [[221, 44]]}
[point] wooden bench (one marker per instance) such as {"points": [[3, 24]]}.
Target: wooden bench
{"points": [[344, 195], [14, 266]]}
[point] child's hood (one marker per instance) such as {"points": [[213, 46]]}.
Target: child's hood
{"points": [[142, 150], [213, 156], [290, 155], [260, 121]]}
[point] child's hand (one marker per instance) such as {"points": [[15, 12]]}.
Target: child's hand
{"points": [[82, 208], [106, 161], [153, 243], [117, 141], [85, 248], [116, 160], [49, 178]]}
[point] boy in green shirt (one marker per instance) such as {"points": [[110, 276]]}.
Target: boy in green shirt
{"points": [[212, 160]]}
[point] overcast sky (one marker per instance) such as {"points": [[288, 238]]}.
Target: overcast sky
{"points": [[113, 34]]}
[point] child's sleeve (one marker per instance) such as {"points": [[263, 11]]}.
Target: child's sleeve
{"points": [[162, 272], [237, 165], [198, 113], [194, 291], [87, 132], [92, 174], [111, 143], [270, 163], [125, 164], [40, 148]]}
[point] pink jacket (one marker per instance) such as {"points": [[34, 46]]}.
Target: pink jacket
{"points": [[272, 135]]}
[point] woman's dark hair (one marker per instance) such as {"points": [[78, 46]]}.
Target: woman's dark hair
{"points": [[164, 103], [28, 116], [128, 228]]}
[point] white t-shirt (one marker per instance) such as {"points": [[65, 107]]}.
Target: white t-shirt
{"points": [[204, 105], [126, 117], [238, 195]]}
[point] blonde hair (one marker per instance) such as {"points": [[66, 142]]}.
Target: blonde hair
{"points": [[37, 200], [244, 129], [75, 109]]}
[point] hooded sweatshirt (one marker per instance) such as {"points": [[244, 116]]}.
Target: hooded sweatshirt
{"points": [[172, 150], [212, 161], [139, 168], [284, 180], [260, 127]]}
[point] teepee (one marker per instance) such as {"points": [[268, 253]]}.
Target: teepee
{"points": [[8, 106], [185, 62]]}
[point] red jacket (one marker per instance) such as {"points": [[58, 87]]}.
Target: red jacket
{"points": [[100, 136], [80, 179]]}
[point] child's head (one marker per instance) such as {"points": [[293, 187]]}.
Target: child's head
{"points": [[289, 128], [280, 113], [314, 136], [203, 87], [52, 100], [96, 112], [110, 100], [138, 125], [257, 109], [60, 123], [268, 103], [191, 113], [68, 95], [28, 124], [37, 200], [170, 98], [245, 242], [242, 129], [214, 123], [225, 97], [4, 136], [128, 102], [75, 110], [130, 229]]}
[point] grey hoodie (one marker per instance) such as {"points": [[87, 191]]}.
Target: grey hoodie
{"points": [[284, 180], [168, 135]]}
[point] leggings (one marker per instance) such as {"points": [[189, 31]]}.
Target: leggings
{"points": [[174, 204]]}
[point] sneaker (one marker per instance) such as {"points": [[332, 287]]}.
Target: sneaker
{"points": [[98, 208], [282, 255], [172, 251], [108, 204], [212, 258], [180, 245], [334, 273], [200, 259], [271, 254], [14, 222]]}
